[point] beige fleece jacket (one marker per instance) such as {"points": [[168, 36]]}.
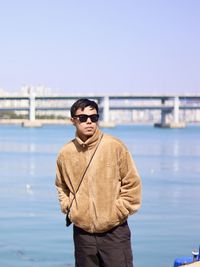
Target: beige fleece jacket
{"points": [[110, 190]]}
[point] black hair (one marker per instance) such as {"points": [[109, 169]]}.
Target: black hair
{"points": [[82, 104]]}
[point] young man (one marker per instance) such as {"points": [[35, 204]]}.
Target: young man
{"points": [[98, 187]]}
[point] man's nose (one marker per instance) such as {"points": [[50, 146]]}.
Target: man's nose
{"points": [[89, 120]]}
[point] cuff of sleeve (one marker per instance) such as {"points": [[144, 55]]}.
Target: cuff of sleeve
{"points": [[64, 206], [121, 210]]}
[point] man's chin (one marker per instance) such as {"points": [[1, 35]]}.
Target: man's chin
{"points": [[89, 133]]}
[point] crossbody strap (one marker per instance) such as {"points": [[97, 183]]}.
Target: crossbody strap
{"points": [[85, 172]]}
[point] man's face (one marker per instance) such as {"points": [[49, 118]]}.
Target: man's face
{"points": [[85, 129]]}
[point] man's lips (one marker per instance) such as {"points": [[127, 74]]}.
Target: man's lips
{"points": [[89, 128]]}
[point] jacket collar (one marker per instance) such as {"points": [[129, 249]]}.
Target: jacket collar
{"points": [[90, 142]]}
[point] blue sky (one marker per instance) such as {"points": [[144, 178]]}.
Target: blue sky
{"points": [[105, 46]]}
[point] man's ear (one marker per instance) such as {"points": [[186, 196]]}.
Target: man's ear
{"points": [[72, 120]]}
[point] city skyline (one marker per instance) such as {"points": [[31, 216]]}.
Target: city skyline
{"points": [[101, 47]]}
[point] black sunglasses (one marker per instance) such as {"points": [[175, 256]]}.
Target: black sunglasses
{"points": [[84, 117]]}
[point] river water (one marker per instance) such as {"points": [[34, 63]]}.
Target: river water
{"points": [[32, 228]]}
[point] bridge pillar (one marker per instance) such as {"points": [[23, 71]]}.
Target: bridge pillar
{"points": [[163, 114], [175, 123], [164, 117], [176, 109], [31, 105], [31, 122], [163, 123], [106, 110]]}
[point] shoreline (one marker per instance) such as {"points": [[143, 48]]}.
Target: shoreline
{"points": [[43, 122]]}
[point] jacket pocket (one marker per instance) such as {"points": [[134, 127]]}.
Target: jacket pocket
{"points": [[121, 211]]}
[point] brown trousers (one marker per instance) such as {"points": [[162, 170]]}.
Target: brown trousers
{"points": [[109, 249]]}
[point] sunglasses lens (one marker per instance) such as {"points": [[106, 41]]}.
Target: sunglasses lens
{"points": [[94, 118], [83, 118]]}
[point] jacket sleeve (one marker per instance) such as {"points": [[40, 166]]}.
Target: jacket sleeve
{"points": [[129, 200], [63, 190]]}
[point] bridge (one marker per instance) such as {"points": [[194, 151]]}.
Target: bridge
{"points": [[166, 104]]}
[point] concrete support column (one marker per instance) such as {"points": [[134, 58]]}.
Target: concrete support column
{"points": [[163, 117], [176, 109], [163, 114], [106, 109], [31, 105]]}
